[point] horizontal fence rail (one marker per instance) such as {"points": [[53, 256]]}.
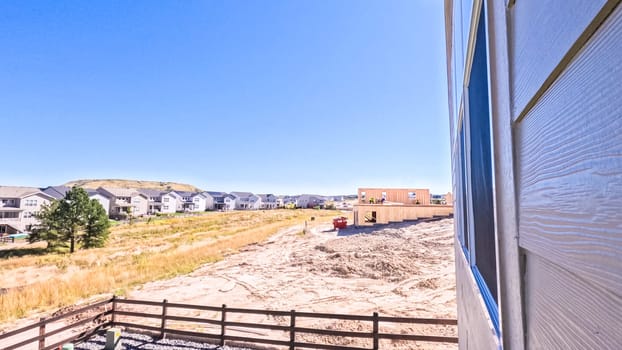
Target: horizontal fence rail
{"points": [[132, 314], [78, 328]]}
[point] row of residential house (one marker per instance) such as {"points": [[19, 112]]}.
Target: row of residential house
{"points": [[19, 205]]}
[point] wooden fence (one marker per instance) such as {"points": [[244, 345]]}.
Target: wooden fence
{"points": [[7, 239], [128, 313], [86, 321]]}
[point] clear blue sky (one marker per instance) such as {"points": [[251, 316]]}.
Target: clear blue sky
{"points": [[317, 96]]}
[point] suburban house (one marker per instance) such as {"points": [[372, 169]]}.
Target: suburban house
{"points": [[102, 199], [245, 200], [267, 201], [310, 201], [154, 199], [124, 201], [58, 192], [535, 115], [230, 202], [18, 207], [172, 202], [215, 200], [199, 202], [186, 200], [192, 201], [285, 201]]}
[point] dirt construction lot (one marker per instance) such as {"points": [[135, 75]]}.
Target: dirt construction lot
{"points": [[397, 270]]}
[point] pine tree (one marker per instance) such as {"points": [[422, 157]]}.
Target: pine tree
{"points": [[72, 220], [96, 228], [49, 228]]}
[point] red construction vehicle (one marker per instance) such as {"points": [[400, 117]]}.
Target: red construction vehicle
{"points": [[341, 222]]}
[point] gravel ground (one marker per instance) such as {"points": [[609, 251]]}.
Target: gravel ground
{"points": [[133, 341]]}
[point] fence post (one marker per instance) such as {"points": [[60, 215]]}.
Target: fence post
{"points": [[163, 324], [114, 310], [42, 334], [375, 331], [223, 319], [292, 329]]}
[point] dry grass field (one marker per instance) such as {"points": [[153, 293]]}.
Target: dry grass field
{"points": [[33, 281]]}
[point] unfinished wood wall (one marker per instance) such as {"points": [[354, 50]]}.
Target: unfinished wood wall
{"points": [[397, 195], [386, 213]]}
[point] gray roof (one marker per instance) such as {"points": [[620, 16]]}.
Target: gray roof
{"points": [[121, 192], [185, 193], [171, 193], [216, 193], [17, 191], [58, 192], [242, 194], [92, 192], [267, 197], [150, 192]]}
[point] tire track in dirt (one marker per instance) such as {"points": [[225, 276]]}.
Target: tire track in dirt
{"points": [[398, 270]]}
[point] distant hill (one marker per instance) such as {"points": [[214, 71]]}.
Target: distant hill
{"points": [[161, 185]]}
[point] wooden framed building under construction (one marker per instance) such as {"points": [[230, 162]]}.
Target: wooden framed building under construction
{"points": [[536, 117], [386, 205]]}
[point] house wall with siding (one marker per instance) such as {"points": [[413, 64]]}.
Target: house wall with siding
{"points": [[209, 202], [103, 200], [140, 205], [169, 203], [200, 203], [569, 176], [554, 77], [255, 202], [27, 217], [230, 203]]}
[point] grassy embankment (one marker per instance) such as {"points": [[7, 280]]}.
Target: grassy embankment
{"points": [[158, 185], [136, 254]]}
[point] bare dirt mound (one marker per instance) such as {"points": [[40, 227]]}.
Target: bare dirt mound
{"points": [[396, 270]]}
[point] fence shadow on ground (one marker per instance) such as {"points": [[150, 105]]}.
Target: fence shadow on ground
{"points": [[20, 252]]}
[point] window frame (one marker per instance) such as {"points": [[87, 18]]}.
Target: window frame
{"points": [[476, 230]]}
